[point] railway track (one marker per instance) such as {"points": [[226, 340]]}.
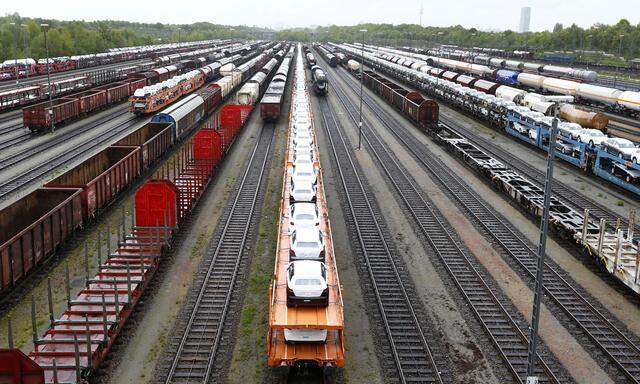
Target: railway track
{"points": [[501, 328], [10, 186], [612, 342], [412, 356], [196, 353], [14, 115], [562, 191], [18, 139], [22, 155], [11, 84]]}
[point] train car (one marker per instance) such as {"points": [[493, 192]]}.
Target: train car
{"points": [[304, 334], [153, 139], [33, 228], [38, 119], [311, 60], [507, 77], [184, 115], [101, 177], [212, 96], [423, 112], [320, 81]]}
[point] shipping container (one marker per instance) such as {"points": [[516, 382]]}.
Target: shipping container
{"points": [[101, 177], [38, 117], [154, 139], [32, 228]]}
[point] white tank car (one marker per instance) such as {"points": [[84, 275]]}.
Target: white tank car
{"points": [[563, 87], [630, 100], [531, 80], [604, 95], [510, 94], [353, 65]]}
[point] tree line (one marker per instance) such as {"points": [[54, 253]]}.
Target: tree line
{"points": [[622, 38], [23, 37]]}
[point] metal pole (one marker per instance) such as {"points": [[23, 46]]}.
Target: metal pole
{"points": [[15, 42], [361, 68], [535, 319], [26, 47], [45, 28]]}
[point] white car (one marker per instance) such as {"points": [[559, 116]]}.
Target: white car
{"points": [[293, 336], [306, 244], [302, 135], [569, 129], [592, 137], [623, 148], [303, 146], [301, 172], [302, 158], [301, 126], [303, 215], [303, 191], [307, 283]]}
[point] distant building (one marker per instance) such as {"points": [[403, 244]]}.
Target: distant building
{"points": [[525, 19]]}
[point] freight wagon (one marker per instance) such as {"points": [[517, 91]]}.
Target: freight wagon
{"points": [[101, 177], [154, 139], [65, 109], [32, 228], [422, 111]]}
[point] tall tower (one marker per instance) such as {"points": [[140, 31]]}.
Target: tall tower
{"points": [[525, 19], [421, 4]]}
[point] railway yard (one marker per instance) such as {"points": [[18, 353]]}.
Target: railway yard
{"points": [[240, 211]]}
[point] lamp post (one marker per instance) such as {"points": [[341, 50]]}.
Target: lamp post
{"points": [[544, 225], [361, 68], [615, 78], [45, 29], [15, 44], [26, 47]]}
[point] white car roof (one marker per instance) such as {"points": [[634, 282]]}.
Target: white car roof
{"points": [[311, 234], [307, 268], [302, 208]]}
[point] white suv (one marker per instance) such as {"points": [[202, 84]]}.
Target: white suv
{"points": [[301, 172], [306, 244], [307, 283], [303, 191], [304, 215]]}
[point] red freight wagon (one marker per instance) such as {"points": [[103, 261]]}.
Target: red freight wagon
{"points": [[270, 106], [101, 177], [153, 139], [32, 228], [135, 84], [212, 96], [115, 91], [37, 117], [91, 100]]}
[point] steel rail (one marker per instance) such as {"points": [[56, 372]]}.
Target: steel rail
{"points": [[620, 350], [195, 355], [411, 353], [503, 331]]}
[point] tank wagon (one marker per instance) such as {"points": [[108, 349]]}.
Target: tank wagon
{"points": [[319, 80]]}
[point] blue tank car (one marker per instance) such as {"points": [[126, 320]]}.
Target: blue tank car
{"points": [[507, 77]]}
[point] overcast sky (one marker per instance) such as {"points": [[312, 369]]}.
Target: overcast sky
{"points": [[484, 14]]}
